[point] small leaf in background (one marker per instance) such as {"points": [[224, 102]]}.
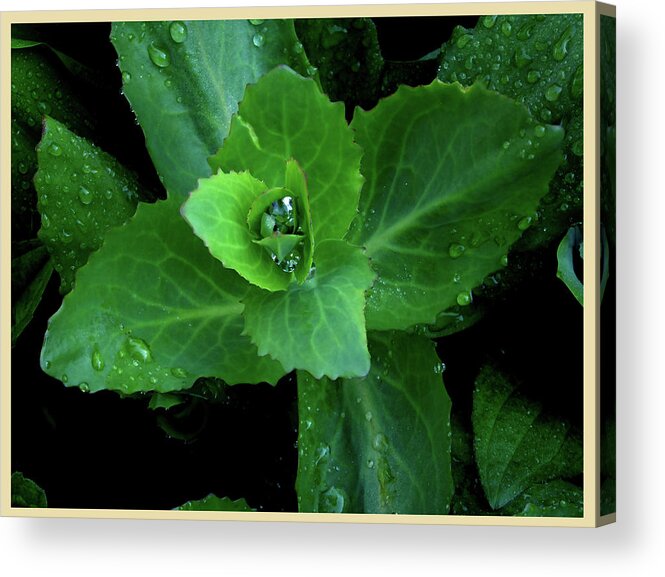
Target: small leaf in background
{"points": [[447, 192], [165, 401], [26, 493], [517, 443], [152, 311], [214, 503], [31, 272], [380, 444], [41, 85], [82, 193], [347, 55], [184, 81], [541, 66], [570, 250], [317, 326], [554, 499], [285, 116]]}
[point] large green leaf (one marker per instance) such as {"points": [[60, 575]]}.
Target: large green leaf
{"points": [[537, 60], [214, 503], [285, 116], [82, 193], [517, 443], [26, 493], [31, 272], [184, 81], [152, 311], [380, 444], [319, 325], [453, 178]]}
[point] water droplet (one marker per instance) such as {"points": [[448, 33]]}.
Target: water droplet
{"points": [[464, 299], [322, 454], [524, 32], [85, 387], [489, 21], [561, 47], [46, 221], [504, 260], [298, 48], [533, 76], [578, 147], [439, 368], [463, 40], [178, 32], [22, 167], [457, 278], [85, 196], [54, 149], [331, 501], [525, 222], [311, 70], [138, 349], [553, 92], [258, 40], [64, 378], [256, 22], [577, 85], [380, 443], [126, 77], [539, 131], [506, 28], [178, 373], [368, 416], [546, 114], [456, 250], [158, 56], [96, 360], [65, 236], [370, 464], [522, 57]]}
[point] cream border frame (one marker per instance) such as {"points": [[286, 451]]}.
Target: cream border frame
{"points": [[591, 11]]}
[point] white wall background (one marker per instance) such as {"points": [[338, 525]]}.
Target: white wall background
{"points": [[635, 545]]}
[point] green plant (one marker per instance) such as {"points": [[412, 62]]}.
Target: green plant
{"points": [[293, 240]]}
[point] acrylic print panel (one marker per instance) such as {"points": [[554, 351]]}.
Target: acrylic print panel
{"points": [[299, 266]]}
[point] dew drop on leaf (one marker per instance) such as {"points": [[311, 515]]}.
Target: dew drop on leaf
{"points": [[178, 32], [85, 388], [464, 299], [96, 360], [158, 56], [258, 40], [85, 196], [553, 92], [54, 149], [456, 250]]}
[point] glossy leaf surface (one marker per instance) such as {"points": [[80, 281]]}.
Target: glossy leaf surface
{"points": [[153, 311], [379, 444], [184, 81], [319, 325], [537, 60], [454, 177], [283, 117], [83, 192]]}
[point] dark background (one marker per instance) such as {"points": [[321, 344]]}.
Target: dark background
{"points": [[102, 451]]}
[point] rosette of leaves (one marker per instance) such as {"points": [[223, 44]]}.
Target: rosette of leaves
{"points": [[307, 244]]}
